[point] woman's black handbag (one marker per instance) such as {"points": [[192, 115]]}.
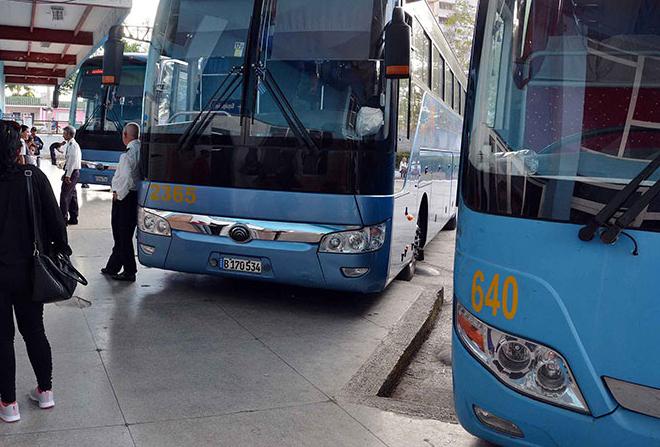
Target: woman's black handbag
{"points": [[54, 277]]}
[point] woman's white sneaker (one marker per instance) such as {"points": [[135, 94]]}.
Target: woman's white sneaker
{"points": [[10, 413], [43, 398]]}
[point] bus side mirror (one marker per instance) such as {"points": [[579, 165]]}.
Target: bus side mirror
{"points": [[56, 97], [397, 47], [113, 57]]}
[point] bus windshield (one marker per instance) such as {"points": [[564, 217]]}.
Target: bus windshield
{"points": [[566, 108], [320, 56], [125, 103]]}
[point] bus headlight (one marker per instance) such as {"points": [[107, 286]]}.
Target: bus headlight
{"points": [[364, 240], [153, 223], [525, 366]]}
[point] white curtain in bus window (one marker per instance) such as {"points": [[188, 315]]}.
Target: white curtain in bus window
{"points": [[337, 30]]}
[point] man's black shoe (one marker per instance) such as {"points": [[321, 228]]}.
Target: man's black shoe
{"points": [[124, 277], [105, 271], [72, 222]]}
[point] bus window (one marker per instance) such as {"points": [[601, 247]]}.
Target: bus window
{"points": [[404, 110], [421, 56], [457, 94], [449, 86], [415, 106], [438, 73]]}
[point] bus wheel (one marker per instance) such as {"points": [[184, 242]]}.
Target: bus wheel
{"points": [[408, 271], [451, 225]]}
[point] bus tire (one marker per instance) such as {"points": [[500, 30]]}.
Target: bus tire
{"points": [[408, 271], [450, 225]]}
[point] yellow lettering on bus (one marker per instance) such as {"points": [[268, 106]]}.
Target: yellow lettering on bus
{"points": [[507, 300]]}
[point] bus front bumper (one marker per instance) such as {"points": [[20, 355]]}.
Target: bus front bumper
{"points": [[93, 176], [282, 262], [541, 424]]}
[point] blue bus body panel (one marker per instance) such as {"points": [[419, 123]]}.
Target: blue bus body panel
{"points": [[266, 205], [285, 262], [97, 176], [542, 424], [596, 304]]}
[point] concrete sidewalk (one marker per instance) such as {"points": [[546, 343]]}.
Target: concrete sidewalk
{"points": [[184, 360]]}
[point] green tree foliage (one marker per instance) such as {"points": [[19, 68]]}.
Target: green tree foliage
{"points": [[459, 29], [20, 90], [134, 47], [67, 86]]}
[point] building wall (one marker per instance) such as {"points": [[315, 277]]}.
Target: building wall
{"points": [[442, 9], [42, 115]]}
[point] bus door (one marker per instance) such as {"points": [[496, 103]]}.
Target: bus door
{"points": [[444, 187]]}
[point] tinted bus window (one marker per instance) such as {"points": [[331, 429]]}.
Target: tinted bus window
{"points": [[421, 56], [438, 73], [449, 86], [457, 95]]}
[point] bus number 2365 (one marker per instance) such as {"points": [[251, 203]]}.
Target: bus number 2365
{"points": [[176, 194]]}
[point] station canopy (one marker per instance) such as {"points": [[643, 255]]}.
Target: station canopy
{"points": [[43, 42]]}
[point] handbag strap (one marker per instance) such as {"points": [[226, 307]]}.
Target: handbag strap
{"points": [[33, 212]]}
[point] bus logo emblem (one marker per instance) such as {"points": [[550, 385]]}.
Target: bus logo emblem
{"points": [[240, 233]]}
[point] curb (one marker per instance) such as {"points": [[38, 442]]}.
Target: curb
{"points": [[375, 381]]}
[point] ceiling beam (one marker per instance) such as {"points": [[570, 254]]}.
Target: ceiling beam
{"points": [[33, 15], [41, 58], [24, 33], [29, 80], [76, 31], [33, 71]]}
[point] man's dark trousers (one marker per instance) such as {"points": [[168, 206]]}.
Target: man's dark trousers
{"points": [[69, 197], [124, 221]]}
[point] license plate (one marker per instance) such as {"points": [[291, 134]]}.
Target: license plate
{"points": [[240, 265], [101, 179]]}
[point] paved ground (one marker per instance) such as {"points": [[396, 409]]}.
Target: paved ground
{"points": [[428, 379], [184, 360]]}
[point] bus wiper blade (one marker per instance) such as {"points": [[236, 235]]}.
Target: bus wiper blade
{"points": [[611, 234], [588, 232], [90, 117], [220, 97], [285, 107]]}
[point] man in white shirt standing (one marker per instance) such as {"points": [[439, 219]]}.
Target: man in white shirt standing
{"points": [[72, 164], [124, 208]]}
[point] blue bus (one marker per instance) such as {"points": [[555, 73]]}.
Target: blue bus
{"points": [[556, 336], [99, 113], [277, 149]]}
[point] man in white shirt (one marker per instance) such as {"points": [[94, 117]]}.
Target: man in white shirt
{"points": [[124, 208], [72, 164]]}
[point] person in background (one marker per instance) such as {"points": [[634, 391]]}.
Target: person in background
{"points": [[72, 165], [16, 261], [403, 167], [53, 156], [24, 155], [38, 144], [124, 208]]}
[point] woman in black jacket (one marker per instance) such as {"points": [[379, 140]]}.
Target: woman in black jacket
{"points": [[16, 251]]}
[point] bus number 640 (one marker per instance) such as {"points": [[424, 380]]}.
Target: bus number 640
{"points": [[509, 296]]}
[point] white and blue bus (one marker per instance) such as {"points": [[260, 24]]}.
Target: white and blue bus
{"points": [[103, 111], [277, 148]]}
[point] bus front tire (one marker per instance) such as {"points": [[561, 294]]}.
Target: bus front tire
{"points": [[450, 225], [408, 271]]}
